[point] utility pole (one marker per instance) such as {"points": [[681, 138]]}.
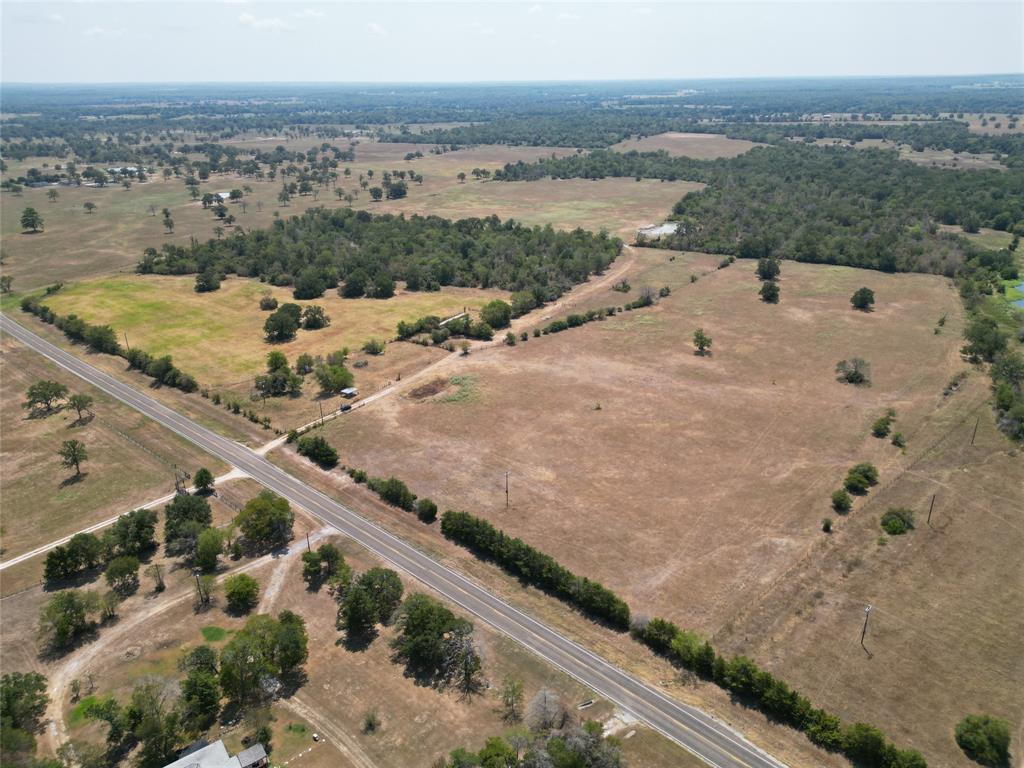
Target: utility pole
{"points": [[321, 413], [308, 548], [975, 430], [126, 341], [864, 631], [507, 473], [930, 511]]}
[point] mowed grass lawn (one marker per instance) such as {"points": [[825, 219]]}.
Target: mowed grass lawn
{"points": [[218, 337], [131, 459]]}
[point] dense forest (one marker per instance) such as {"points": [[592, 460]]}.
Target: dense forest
{"points": [[321, 249], [834, 205]]}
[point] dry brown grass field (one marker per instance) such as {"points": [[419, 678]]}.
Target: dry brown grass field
{"points": [[695, 487], [701, 146], [131, 459]]}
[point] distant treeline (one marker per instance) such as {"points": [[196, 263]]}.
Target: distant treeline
{"points": [[322, 249], [834, 205]]}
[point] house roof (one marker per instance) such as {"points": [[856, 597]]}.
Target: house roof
{"points": [[213, 755], [251, 756]]}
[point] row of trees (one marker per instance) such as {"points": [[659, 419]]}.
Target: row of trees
{"points": [[535, 568], [862, 743]]}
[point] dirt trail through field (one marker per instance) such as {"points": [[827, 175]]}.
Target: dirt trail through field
{"points": [[338, 737]]}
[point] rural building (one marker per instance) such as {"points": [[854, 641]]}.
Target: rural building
{"points": [[656, 231], [216, 755], [224, 195], [117, 169], [349, 392]]}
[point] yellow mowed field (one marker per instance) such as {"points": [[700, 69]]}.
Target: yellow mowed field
{"points": [[218, 337]]}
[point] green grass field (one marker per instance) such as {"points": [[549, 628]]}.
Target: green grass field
{"points": [[218, 337]]}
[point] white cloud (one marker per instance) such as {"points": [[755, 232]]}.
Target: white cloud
{"points": [[103, 32], [643, 10], [56, 18], [309, 13], [235, 2], [535, 9], [267, 22], [566, 16], [376, 29], [481, 29]]}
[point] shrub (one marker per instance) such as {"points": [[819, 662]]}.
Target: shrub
{"points": [[497, 314], [897, 521], [883, 424], [984, 739], [841, 501], [426, 510], [863, 299], [769, 292], [826, 524], [374, 347], [898, 440], [768, 268], [318, 450], [268, 303], [394, 492], [855, 371]]}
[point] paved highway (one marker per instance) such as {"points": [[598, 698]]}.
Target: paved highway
{"points": [[705, 737]]}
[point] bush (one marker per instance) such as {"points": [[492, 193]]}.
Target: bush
{"points": [[769, 292], [768, 268], [984, 739], [268, 303], [897, 521], [426, 510], [318, 450], [863, 299], [242, 592], [883, 424], [497, 314], [841, 501], [855, 371], [394, 492], [826, 524]]}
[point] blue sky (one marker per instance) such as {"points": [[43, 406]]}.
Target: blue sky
{"points": [[214, 40]]}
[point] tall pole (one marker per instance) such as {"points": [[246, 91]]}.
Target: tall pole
{"points": [[930, 510], [864, 631], [321, 413], [506, 489], [308, 548], [975, 430]]}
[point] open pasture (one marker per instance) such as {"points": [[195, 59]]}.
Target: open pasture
{"points": [[700, 146], [947, 598], [682, 482], [76, 244], [131, 459]]}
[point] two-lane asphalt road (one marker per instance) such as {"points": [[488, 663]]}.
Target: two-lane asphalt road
{"points": [[696, 731]]}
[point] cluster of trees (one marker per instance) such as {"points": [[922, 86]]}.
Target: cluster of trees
{"points": [[23, 701], [279, 379], [768, 271], [318, 450], [985, 740], [861, 743], [436, 645], [862, 208], [860, 478], [366, 254], [535, 568], [103, 338], [45, 396], [326, 563], [264, 657], [285, 321], [368, 600], [577, 319], [133, 535]]}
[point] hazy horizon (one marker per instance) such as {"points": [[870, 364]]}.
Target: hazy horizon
{"points": [[417, 43]]}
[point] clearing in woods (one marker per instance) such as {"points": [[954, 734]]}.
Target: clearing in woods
{"points": [[704, 480], [700, 146], [131, 459]]}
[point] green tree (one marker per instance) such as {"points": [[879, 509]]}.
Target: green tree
{"points": [[985, 339], [183, 509], [52, 195], [89, 206], [333, 378], [701, 341], [841, 501], [357, 614], [511, 695], [242, 592], [497, 314], [318, 450], [384, 588], [856, 371], [897, 521], [67, 615], [30, 219], [72, 453], [312, 568], [80, 403], [314, 318], [376, 193], [122, 574], [203, 480], [200, 698], [44, 393], [863, 299], [768, 268], [23, 702], [266, 521], [209, 546], [985, 740], [283, 323], [423, 628], [769, 292]]}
